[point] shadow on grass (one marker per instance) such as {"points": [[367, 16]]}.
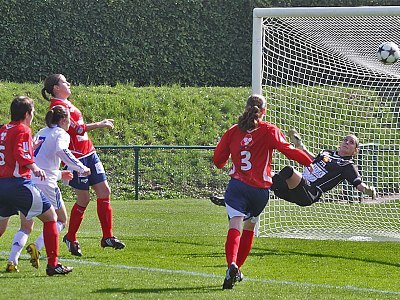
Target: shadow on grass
{"points": [[319, 255], [170, 240], [155, 290]]}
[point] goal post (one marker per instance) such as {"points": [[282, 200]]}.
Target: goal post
{"points": [[318, 69]]}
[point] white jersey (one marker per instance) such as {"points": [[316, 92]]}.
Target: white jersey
{"points": [[51, 152]]}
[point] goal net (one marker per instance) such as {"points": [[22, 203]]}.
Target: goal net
{"points": [[319, 72]]}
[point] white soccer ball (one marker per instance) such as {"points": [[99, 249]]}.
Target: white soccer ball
{"points": [[388, 53]]}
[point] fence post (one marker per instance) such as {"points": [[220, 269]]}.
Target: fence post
{"points": [[136, 149]]}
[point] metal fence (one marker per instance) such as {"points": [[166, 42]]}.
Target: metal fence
{"points": [[161, 171], [153, 172]]}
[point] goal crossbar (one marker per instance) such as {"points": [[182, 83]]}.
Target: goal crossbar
{"points": [[326, 11]]}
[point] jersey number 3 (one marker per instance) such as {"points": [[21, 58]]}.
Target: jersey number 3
{"points": [[2, 161], [245, 160]]}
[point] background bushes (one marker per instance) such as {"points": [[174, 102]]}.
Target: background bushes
{"points": [[143, 42]]}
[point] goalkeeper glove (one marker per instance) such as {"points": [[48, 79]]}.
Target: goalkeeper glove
{"points": [[370, 191], [295, 139]]}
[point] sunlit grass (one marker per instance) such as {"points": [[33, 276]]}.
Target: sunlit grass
{"points": [[175, 250]]}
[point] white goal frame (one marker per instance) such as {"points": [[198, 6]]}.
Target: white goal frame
{"points": [[260, 13], [267, 225]]}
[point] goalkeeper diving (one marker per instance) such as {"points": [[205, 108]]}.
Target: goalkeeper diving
{"points": [[329, 168]]}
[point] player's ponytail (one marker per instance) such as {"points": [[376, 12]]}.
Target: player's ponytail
{"points": [[44, 95], [49, 84], [252, 113], [55, 114]]}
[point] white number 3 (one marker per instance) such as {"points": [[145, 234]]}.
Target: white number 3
{"points": [[246, 164], [2, 162]]}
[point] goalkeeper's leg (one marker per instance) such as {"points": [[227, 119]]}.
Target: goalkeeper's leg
{"points": [[218, 200]]}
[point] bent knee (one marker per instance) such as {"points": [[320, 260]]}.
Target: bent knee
{"points": [[286, 172]]}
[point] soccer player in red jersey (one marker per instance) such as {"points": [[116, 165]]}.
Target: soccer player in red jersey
{"points": [[82, 147], [17, 192], [51, 147], [249, 144]]}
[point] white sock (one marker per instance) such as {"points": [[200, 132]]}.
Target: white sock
{"points": [[40, 240], [19, 241], [60, 226]]}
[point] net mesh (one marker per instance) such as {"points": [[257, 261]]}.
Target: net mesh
{"points": [[321, 76]]}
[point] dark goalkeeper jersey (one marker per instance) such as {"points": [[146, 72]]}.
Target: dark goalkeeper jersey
{"points": [[330, 169]]}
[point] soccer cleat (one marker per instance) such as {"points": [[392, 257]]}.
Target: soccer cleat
{"points": [[230, 277], [112, 242], [35, 254], [73, 246], [220, 201], [11, 268], [239, 276], [295, 139], [59, 269]]}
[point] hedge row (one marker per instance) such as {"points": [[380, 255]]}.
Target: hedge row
{"points": [[143, 42]]}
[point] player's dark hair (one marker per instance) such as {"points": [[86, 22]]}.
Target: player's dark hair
{"points": [[55, 114], [49, 84], [19, 107], [252, 113]]}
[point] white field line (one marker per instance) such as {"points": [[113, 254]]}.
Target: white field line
{"points": [[207, 275]]}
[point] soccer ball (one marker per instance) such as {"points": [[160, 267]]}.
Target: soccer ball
{"points": [[388, 53]]}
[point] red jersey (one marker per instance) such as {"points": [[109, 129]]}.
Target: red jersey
{"points": [[16, 150], [80, 144], [251, 153]]}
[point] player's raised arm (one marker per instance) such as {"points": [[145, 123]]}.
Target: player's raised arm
{"points": [[295, 139], [289, 151]]}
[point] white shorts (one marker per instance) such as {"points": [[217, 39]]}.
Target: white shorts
{"points": [[52, 194]]}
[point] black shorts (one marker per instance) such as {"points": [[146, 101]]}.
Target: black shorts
{"points": [[304, 194]]}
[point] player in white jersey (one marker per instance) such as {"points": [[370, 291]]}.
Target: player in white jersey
{"points": [[53, 142]]}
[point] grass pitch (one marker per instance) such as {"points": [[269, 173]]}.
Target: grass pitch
{"points": [[175, 250]]}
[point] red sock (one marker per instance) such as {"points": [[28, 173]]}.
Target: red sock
{"points": [[75, 221], [50, 236], [232, 245], [246, 242], [104, 212]]}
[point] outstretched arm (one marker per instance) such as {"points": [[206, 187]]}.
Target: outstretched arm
{"points": [[295, 139], [366, 189], [106, 123]]}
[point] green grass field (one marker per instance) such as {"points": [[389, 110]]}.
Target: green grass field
{"points": [[175, 250]]}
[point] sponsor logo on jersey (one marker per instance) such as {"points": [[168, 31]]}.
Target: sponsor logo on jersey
{"points": [[79, 130], [247, 141]]}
